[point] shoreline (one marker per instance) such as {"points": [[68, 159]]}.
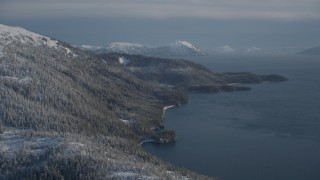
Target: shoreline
{"points": [[151, 140], [167, 107]]}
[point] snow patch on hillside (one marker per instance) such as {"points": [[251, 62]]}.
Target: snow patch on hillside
{"points": [[186, 44], [132, 175], [124, 47], [178, 48], [185, 48], [14, 140], [124, 61], [73, 148], [21, 80]]}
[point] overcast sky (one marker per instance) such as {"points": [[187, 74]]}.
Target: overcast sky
{"points": [[208, 23]]}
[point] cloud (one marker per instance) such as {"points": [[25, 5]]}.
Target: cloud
{"points": [[213, 9]]}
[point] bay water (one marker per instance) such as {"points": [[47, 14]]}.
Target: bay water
{"points": [[271, 132]]}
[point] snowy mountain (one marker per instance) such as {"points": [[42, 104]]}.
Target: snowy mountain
{"points": [[178, 48], [311, 51], [15, 35], [185, 48], [89, 47], [124, 47]]}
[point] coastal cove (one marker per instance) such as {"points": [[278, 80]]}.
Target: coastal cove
{"points": [[270, 132]]}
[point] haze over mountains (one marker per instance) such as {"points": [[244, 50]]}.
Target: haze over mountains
{"points": [[311, 51]]}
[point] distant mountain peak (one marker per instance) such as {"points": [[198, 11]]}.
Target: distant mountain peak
{"points": [[186, 44]]}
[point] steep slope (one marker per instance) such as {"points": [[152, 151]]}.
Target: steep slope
{"points": [[11, 35], [311, 51], [66, 107], [184, 47]]}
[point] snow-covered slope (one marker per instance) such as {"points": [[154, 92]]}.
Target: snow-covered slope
{"points": [[89, 47], [178, 48], [124, 47], [10, 35], [185, 48]]}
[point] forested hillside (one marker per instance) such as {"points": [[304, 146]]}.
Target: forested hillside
{"points": [[66, 113], [69, 113]]}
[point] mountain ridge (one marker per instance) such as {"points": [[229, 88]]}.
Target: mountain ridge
{"points": [[178, 48]]}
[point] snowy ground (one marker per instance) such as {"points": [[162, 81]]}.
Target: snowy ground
{"points": [[14, 140]]}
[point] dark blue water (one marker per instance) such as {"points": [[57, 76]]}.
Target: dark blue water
{"points": [[271, 132]]}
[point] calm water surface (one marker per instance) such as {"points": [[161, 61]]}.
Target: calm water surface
{"points": [[271, 132]]}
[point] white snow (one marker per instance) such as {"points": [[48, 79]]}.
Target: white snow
{"points": [[14, 140], [123, 61], [176, 176], [132, 175], [90, 47], [25, 80], [20, 80], [73, 148], [8, 34], [185, 44], [125, 47], [167, 107], [125, 121]]}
